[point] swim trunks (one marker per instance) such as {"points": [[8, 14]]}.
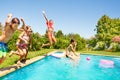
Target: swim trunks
{"points": [[3, 49]]}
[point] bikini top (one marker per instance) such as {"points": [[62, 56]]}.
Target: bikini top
{"points": [[49, 25], [26, 37]]}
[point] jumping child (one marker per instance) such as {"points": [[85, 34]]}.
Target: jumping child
{"points": [[11, 25], [50, 31]]}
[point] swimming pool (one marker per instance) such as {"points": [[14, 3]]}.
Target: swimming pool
{"points": [[51, 68]]}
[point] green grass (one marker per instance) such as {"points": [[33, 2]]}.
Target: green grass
{"points": [[12, 60], [105, 53]]}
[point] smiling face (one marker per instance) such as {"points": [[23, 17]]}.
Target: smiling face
{"points": [[15, 23], [29, 30]]}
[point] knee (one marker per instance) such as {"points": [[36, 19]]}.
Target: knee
{"points": [[21, 55]]}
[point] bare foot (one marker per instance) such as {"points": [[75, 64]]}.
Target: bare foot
{"points": [[11, 53], [41, 46], [19, 63]]}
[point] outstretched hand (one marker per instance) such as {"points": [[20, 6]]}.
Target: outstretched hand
{"points": [[75, 43], [22, 19], [43, 12], [9, 15]]}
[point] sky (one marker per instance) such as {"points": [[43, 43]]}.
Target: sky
{"points": [[70, 16]]}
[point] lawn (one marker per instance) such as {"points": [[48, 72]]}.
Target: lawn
{"points": [[105, 53]]}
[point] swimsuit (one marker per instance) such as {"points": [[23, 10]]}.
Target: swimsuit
{"points": [[50, 26], [26, 37], [23, 44], [3, 49]]}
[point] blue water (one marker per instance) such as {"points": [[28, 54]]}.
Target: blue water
{"points": [[51, 68]]}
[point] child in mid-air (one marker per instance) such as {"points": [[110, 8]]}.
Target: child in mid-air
{"points": [[22, 43], [11, 25], [50, 31]]}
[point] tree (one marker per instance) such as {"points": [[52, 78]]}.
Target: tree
{"points": [[107, 28], [59, 33]]}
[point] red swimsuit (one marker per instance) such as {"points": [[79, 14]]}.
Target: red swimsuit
{"points": [[50, 26]]}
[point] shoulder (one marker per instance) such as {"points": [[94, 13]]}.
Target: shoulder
{"points": [[70, 45], [7, 27], [47, 22]]}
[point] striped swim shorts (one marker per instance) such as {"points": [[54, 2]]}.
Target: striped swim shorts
{"points": [[3, 49]]}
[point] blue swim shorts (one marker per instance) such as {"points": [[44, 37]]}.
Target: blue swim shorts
{"points": [[3, 49]]}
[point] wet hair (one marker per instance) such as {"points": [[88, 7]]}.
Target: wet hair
{"points": [[14, 20], [72, 40]]}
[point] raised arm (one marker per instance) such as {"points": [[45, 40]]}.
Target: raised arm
{"points": [[23, 28], [75, 46], [72, 48], [45, 16], [24, 25], [9, 17]]}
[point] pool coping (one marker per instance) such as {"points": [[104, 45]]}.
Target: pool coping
{"points": [[15, 67]]}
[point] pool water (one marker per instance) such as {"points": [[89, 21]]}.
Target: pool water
{"points": [[51, 68]]}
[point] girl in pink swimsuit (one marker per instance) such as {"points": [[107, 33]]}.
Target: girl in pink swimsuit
{"points": [[50, 32]]}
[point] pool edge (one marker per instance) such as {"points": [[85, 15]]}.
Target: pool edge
{"points": [[15, 67]]}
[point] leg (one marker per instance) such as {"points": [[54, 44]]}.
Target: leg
{"points": [[54, 39], [25, 52], [13, 52], [50, 41], [21, 54], [71, 55], [74, 57], [48, 44]]}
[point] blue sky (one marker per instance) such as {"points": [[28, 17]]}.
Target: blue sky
{"points": [[70, 16]]}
